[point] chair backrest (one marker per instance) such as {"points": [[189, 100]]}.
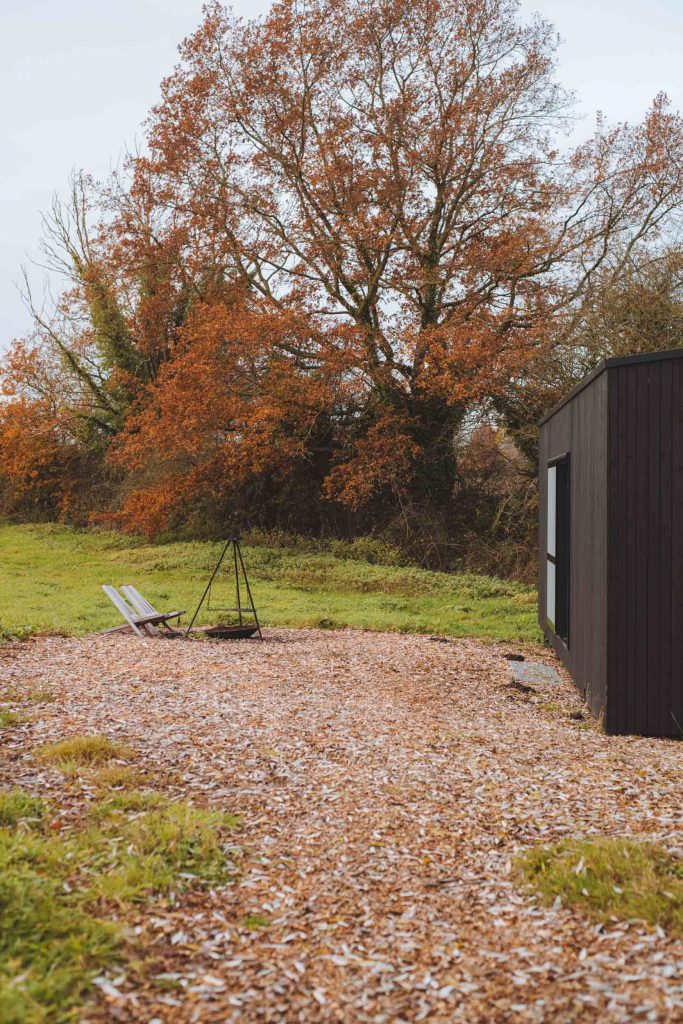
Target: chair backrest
{"points": [[140, 603], [127, 612]]}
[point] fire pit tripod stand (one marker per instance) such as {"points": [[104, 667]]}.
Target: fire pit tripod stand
{"points": [[241, 630]]}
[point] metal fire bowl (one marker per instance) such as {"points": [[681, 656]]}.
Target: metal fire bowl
{"points": [[230, 632]]}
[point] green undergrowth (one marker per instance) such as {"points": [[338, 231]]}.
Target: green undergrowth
{"points": [[63, 895], [609, 878], [51, 579]]}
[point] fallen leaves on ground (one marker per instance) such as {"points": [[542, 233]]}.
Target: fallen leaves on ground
{"points": [[384, 782]]}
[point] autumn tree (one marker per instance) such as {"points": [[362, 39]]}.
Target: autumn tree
{"points": [[96, 346], [636, 308], [239, 427], [47, 465], [354, 225], [390, 167]]}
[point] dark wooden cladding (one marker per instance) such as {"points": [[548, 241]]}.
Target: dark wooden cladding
{"points": [[645, 628], [623, 429], [579, 428]]}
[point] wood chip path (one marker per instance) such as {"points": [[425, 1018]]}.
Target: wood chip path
{"points": [[385, 783]]}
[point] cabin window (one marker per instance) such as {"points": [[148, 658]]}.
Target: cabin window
{"points": [[557, 548]]}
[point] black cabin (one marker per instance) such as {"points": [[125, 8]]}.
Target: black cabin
{"points": [[611, 541]]}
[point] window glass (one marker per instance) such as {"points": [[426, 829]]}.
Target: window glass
{"points": [[550, 592], [552, 510], [557, 548]]}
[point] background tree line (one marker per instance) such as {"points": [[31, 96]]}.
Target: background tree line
{"points": [[353, 265]]}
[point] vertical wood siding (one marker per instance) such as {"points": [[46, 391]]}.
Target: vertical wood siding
{"points": [[645, 604], [580, 428]]}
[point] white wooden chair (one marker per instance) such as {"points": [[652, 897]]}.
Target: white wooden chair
{"points": [[139, 614]]}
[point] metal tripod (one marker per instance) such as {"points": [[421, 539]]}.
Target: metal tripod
{"points": [[238, 568]]}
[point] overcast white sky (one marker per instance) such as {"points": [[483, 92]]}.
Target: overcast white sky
{"points": [[77, 78]]}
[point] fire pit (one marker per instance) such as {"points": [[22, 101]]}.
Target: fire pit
{"points": [[241, 630], [230, 632]]}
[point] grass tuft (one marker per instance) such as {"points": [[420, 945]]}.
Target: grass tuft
{"points": [[30, 695], [117, 776], [40, 695], [127, 802], [54, 937], [254, 922], [8, 719], [18, 806], [609, 878], [83, 750]]}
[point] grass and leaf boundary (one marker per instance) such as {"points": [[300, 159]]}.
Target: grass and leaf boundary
{"points": [[609, 879], [66, 887]]}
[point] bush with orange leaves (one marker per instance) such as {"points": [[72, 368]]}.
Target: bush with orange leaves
{"points": [[40, 468], [243, 412]]}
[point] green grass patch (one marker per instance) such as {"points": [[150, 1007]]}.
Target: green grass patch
{"points": [[52, 575], [255, 922], [39, 695], [8, 719], [50, 949], [28, 695], [31, 695], [117, 776], [129, 802], [55, 891], [19, 806], [83, 750], [173, 843], [24, 632], [609, 878]]}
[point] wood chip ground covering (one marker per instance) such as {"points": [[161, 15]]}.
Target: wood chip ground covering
{"points": [[385, 782]]}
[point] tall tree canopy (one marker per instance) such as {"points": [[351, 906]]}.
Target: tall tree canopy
{"points": [[353, 223]]}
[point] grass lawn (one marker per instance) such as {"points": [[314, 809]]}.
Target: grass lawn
{"points": [[50, 579]]}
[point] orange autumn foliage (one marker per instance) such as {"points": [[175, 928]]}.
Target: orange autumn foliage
{"points": [[42, 464], [246, 395], [384, 458], [355, 224]]}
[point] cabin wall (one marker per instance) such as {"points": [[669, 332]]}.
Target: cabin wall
{"points": [[645, 619], [580, 428]]}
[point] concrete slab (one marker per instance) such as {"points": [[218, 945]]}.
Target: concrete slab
{"points": [[530, 672]]}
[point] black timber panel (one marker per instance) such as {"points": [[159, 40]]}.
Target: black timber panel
{"points": [[580, 428], [645, 635], [675, 680]]}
